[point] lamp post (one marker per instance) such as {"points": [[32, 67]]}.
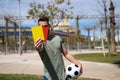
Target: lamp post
{"points": [[78, 33], [20, 47], [101, 37]]}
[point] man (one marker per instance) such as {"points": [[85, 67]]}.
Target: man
{"points": [[51, 54]]}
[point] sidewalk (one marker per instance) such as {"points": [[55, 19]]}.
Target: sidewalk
{"points": [[31, 64]]}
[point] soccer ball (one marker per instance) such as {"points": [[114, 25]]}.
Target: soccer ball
{"points": [[72, 71]]}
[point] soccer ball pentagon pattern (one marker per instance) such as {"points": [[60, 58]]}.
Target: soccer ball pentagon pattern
{"points": [[72, 71]]}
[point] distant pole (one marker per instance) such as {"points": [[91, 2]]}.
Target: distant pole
{"points": [[20, 47], [89, 47], [94, 44], [6, 36], [78, 33], [101, 37]]}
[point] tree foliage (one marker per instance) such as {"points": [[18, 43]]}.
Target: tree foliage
{"points": [[51, 9]]}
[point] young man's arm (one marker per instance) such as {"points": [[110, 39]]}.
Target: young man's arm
{"points": [[71, 58]]}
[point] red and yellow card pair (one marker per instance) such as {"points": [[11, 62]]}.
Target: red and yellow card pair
{"points": [[39, 32]]}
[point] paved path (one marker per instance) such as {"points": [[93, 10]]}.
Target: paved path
{"points": [[31, 64]]}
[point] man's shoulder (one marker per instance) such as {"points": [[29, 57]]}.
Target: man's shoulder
{"points": [[54, 37], [57, 36]]}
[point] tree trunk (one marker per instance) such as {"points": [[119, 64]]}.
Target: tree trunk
{"points": [[15, 39], [6, 37], [112, 27]]}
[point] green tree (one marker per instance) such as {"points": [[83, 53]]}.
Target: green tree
{"points": [[55, 11]]}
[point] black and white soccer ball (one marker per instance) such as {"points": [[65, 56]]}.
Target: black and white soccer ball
{"points": [[72, 71]]}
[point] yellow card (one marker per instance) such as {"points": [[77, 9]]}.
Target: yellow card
{"points": [[37, 32]]}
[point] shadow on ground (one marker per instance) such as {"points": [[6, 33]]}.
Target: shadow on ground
{"points": [[117, 63]]}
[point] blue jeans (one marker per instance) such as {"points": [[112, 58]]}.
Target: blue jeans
{"points": [[45, 78]]}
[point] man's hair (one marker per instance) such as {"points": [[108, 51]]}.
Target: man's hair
{"points": [[43, 19]]}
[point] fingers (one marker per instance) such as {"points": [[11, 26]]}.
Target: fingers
{"points": [[38, 45], [81, 70]]}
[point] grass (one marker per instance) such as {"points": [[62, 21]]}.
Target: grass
{"points": [[27, 77], [19, 77], [98, 57]]}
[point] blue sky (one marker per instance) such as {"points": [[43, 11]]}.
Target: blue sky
{"points": [[81, 7]]}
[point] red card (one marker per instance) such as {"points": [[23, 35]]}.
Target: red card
{"points": [[45, 31]]}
